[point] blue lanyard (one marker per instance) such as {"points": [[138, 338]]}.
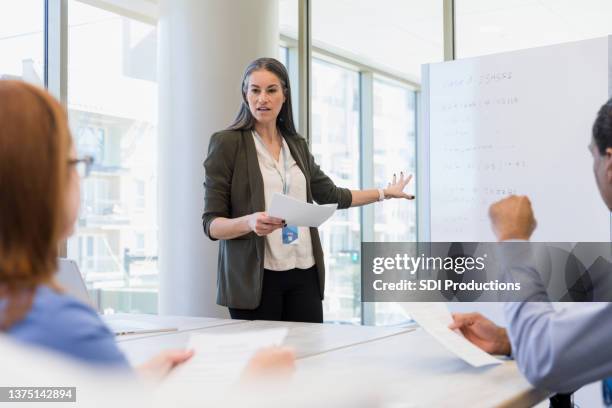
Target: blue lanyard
{"points": [[287, 179]]}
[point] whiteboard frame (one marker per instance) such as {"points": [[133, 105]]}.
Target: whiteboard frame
{"points": [[610, 95], [423, 183], [424, 156]]}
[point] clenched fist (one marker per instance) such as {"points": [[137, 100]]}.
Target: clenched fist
{"points": [[512, 218]]}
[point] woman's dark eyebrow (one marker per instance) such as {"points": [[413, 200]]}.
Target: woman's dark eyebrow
{"points": [[268, 87]]}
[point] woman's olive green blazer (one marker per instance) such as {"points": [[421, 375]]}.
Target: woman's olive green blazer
{"points": [[233, 187]]}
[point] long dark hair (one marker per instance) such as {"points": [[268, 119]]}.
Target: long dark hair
{"points": [[244, 119]]}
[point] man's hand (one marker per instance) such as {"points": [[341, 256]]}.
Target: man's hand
{"points": [[512, 218], [482, 332]]}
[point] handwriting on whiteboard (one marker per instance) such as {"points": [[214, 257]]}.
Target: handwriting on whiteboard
{"points": [[483, 79], [480, 103]]}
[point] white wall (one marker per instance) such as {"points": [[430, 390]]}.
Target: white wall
{"points": [[204, 46]]}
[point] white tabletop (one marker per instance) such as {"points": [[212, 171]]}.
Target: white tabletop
{"points": [[181, 323], [419, 370], [307, 339]]}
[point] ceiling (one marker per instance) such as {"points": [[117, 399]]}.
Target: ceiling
{"points": [[403, 34], [400, 35]]}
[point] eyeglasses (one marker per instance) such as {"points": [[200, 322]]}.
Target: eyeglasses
{"points": [[83, 165]]}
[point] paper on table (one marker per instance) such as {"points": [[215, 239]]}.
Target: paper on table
{"points": [[219, 359], [299, 213], [434, 318]]}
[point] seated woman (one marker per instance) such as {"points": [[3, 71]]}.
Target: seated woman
{"points": [[39, 203]]}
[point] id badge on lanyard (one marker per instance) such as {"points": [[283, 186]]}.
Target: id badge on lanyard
{"points": [[290, 232], [290, 235]]}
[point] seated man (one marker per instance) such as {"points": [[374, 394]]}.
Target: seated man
{"points": [[556, 350]]}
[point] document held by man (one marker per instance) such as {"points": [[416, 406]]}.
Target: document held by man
{"points": [[300, 213], [219, 359], [434, 318]]}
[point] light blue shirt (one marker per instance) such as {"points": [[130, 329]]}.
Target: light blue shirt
{"points": [[556, 350], [63, 324]]}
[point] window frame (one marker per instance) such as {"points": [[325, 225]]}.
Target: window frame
{"points": [[56, 72]]}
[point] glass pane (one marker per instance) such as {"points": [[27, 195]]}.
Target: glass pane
{"points": [[396, 35], [283, 56], [288, 27], [22, 40], [335, 145], [112, 103], [491, 26], [288, 18], [394, 150]]}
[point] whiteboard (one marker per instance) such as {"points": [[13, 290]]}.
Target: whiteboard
{"points": [[514, 123]]}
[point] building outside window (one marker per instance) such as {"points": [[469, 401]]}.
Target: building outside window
{"points": [[22, 40], [112, 107], [283, 56], [394, 150], [336, 148]]}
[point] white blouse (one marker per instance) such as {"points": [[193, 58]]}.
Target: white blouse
{"points": [[279, 256]]}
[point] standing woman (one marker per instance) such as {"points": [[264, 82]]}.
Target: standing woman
{"points": [[268, 270]]}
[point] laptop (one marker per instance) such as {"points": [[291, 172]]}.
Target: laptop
{"points": [[70, 278]]}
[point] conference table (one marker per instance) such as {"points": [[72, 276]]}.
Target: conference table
{"points": [[421, 370]]}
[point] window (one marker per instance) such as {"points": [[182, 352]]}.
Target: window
{"points": [[335, 106], [22, 40], [140, 242], [502, 25], [394, 150], [341, 54], [91, 141], [283, 56], [396, 35], [112, 107], [140, 199], [288, 17], [385, 42]]}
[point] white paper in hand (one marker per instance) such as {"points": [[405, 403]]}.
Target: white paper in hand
{"points": [[300, 213], [434, 318], [219, 359]]}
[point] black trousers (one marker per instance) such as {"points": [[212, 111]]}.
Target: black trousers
{"points": [[290, 296], [561, 401]]}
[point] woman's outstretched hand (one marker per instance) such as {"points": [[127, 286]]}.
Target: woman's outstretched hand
{"points": [[395, 189]]}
